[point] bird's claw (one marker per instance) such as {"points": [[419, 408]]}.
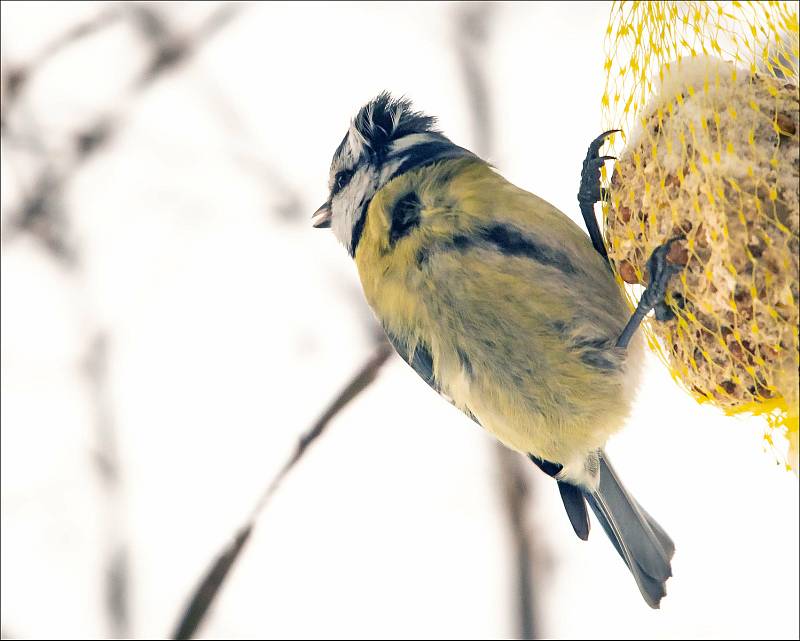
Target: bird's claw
{"points": [[660, 272], [595, 145], [590, 191]]}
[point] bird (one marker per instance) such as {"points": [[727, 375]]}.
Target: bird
{"points": [[504, 306]]}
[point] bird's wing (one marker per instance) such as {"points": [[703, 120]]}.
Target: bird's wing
{"points": [[421, 360]]}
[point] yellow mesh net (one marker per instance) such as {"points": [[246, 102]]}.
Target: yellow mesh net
{"points": [[706, 96]]}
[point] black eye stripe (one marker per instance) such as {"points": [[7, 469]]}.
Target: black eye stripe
{"points": [[341, 180]]}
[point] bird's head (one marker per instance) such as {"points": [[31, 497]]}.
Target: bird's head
{"points": [[386, 139]]}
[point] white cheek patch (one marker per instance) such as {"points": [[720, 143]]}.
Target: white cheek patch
{"points": [[341, 225], [348, 204]]}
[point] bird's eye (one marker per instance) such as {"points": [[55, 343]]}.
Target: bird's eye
{"points": [[341, 180]]}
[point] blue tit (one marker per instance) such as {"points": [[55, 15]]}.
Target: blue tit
{"points": [[503, 305]]}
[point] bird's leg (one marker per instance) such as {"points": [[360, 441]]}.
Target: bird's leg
{"points": [[661, 270], [589, 191]]}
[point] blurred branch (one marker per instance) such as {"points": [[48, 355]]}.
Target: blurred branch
{"points": [[41, 212], [41, 215], [358, 384], [517, 504], [471, 40], [108, 466], [171, 49], [17, 76], [473, 27], [209, 587]]}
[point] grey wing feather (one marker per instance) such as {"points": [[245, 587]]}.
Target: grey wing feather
{"points": [[421, 360], [422, 363], [571, 495], [575, 505]]}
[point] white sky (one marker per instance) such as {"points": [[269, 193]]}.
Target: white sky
{"points": [[230, 328]]}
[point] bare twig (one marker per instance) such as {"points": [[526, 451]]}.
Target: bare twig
{"points": [[17, 76], [209, 587], [170, 49], [357, 385], [41, 213], [517, 504], [471, 39], [109, 470], [42, 205], [473, 29]]}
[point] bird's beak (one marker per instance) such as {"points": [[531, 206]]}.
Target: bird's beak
{"points": [[322, 217]]}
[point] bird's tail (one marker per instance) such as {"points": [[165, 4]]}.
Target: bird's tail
{"points": [[641, 542]]}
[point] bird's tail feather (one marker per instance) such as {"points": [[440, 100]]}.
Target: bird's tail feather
{"points": [[641, 542]]}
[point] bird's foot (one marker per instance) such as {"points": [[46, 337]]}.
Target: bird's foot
{"points": [[660, 270], [589, 191]]}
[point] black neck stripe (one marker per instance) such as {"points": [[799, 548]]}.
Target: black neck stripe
{"points": [[427, 153], [512, 242], [358, 227], [507, 240]]}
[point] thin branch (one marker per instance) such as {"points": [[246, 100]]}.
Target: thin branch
{"points": [[18, 76], [209, 587], [41, 213], [517, 504], [108, 466], [169, 49], [472, 36], [207, 590], [357, 385], [43, 205]]}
